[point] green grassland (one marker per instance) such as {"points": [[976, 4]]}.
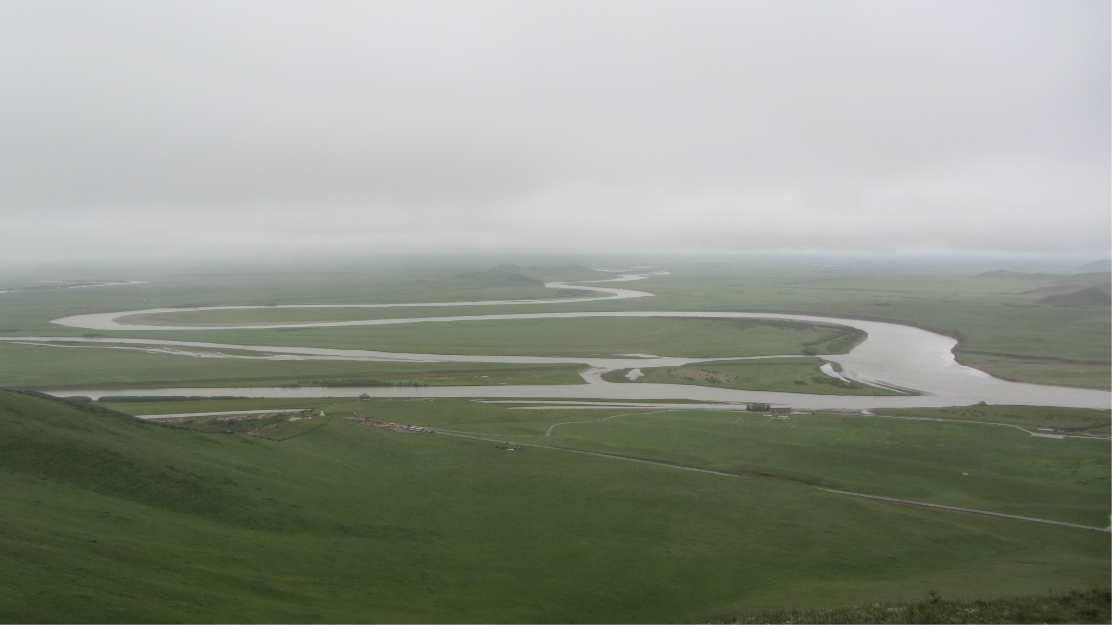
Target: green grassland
{"points": [[1065, 419], [104, 518], [268, 426], [1003, 319], [1009, 471], [574, 337], [1002, 323], [156, 406], [107, 519], [83, 365], [280, 426], [29, 366], [1057, 371], [28, 313], [788, 375]]}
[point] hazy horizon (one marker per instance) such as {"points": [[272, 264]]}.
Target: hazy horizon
{"points": [[447, 265], [209, 131]]}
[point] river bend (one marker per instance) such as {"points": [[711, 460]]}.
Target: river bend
{"points": [[892, 355]]}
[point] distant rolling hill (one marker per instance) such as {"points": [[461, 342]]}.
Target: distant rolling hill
{"points": [[1088, 277], [1098, 265], [1057, 284], [1092, 296], [1096, 278]]}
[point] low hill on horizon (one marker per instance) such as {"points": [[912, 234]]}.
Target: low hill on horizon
{"points": [[1098, 265], [1095, 278], [1092, 296]]}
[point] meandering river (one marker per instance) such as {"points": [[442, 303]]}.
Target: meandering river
{"points": [[893, 355]]}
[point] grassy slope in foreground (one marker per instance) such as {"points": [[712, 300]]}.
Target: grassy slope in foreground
{"points": [[109, 519]]}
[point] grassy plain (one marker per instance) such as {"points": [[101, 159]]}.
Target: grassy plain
{"points": [[77, 365], [29, 366], [28, 313], [155, 406], [591, 336], [1057, 371], [1003, 323], [106, 519], [788, 375], [1009, 471], [1000, 320], [1065, 419], [42, 366]]}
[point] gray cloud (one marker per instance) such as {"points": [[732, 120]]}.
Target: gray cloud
{"points": [[170, 129]]}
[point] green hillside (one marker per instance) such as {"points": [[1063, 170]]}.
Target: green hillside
{"points": [[105, 518]]}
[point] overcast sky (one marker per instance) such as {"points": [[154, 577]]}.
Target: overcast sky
{"points": [[169, 129]]}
